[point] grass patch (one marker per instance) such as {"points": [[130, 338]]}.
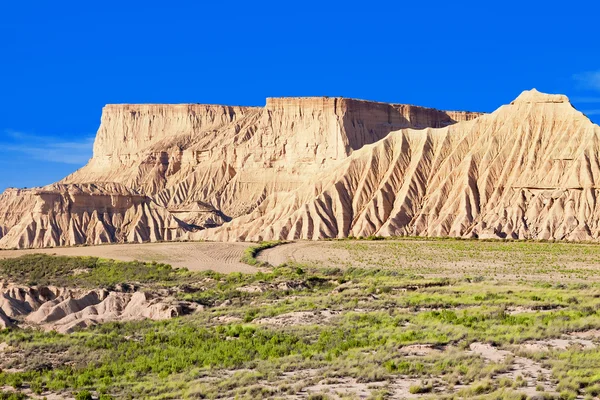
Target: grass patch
{"points": [[43, 269], [249, 256], [285, 329]]}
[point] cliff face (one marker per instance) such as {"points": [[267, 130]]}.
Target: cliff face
{"points": [[128, 129], [322, 167], [65, 215], [529, 170], [230, 158]]}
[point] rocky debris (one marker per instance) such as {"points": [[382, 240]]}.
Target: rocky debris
{"points": [[299, 318], [419, 350], [264, 287], [64, 310]]}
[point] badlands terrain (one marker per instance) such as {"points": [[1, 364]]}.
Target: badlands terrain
{"points": [[314, 168], [345, 319], [314, 248]]}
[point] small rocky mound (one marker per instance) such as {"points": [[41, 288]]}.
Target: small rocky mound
{"points": [[64, 310]]}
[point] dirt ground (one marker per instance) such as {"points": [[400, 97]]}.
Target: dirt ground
{"points": [[443, 258], [196, 256]]}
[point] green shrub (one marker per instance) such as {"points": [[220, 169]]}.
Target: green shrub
{"points": [[84, 395], [420, 388]]}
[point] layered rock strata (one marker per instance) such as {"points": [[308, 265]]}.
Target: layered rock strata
{"points": [[311, 168]]}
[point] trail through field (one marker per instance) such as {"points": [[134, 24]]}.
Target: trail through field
{"points": [[195, 256]]}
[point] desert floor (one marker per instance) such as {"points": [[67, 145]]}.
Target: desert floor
{"points": [[195, 256], [340, 319]]}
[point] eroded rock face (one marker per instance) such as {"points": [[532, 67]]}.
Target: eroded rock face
{"points": [[528, 170], [230, 158], [162, 171], [65, 309], [312, 168], [63, 215]]}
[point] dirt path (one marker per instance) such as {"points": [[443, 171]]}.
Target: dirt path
{"points": [[196, 256]]}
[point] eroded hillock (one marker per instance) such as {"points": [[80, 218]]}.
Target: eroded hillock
{"points": [[527, 171], [160, 172]]}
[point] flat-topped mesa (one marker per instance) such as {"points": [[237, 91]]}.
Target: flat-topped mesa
{"points": [[352, 123], [141, 145], [403, 115], [129, 128], [301, 168]]}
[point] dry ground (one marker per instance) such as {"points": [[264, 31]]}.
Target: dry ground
{"points": [[195, 256], [347, 319], [449, 258]]}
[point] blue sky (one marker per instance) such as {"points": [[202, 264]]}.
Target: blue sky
{"points": [[60, 62]]}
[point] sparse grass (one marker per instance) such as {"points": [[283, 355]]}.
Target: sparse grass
{"points": [[43, 269], [373, 314]]}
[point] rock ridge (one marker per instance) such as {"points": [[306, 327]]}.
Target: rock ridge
{"points": [[318, 167]]}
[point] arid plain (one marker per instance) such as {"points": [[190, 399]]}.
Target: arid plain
{"points": [[396, 318]]}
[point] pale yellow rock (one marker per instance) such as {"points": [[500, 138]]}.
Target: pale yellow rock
{"points": [[65, 309], [321, 167], [161, 170], [65, 215], [530, 170]]}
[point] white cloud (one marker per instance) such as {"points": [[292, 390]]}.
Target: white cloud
{"points": [[47, 148], [588, 80]]}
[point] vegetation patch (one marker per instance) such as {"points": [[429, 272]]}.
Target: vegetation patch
{"points": [[389, 332]]}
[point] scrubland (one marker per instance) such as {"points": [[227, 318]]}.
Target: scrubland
{"points": [[382, 319]]}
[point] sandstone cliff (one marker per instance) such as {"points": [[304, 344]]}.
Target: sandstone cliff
{"points": [[529, 170], [64, 215], [223, 161], [321, 167]]}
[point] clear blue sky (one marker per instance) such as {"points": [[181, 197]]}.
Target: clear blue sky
{"points": [[61, 61]]}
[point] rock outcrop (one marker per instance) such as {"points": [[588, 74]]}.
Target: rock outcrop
{"points": [[527, 171], [64, 215], [159, 171], [66, 309], [228, 159], [312, 168]]}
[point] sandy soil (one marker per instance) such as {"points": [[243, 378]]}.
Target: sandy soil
{"points": [[509, 261], [304, 251], [196, 256]]}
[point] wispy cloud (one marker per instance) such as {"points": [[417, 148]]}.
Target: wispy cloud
{"points": [[588, 80], [47, 148]]}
